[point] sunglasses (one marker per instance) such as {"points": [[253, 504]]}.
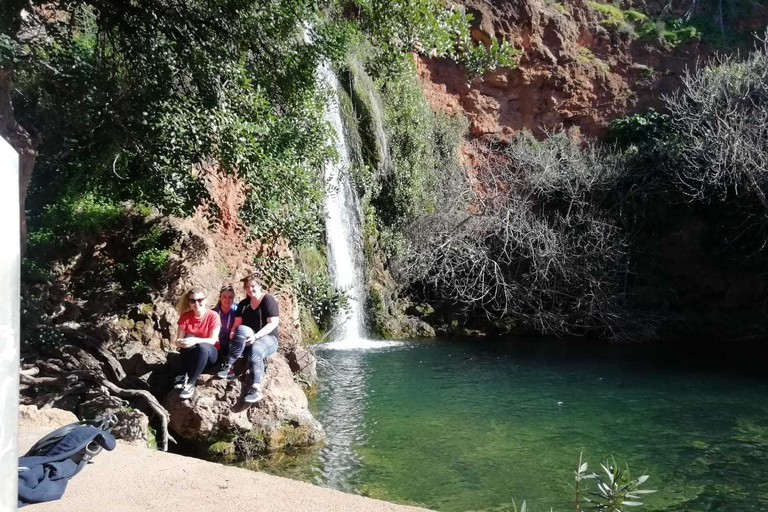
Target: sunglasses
{"points": [[199, 301]]}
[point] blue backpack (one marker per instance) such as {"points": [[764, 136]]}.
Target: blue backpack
{"points": [[46, 468]]}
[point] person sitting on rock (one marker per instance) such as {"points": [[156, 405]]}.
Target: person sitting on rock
{"points": [[254, 333], [197, 338], [226, 308]]}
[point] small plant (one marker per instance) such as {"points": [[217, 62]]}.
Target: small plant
{"points": [[612, 16], [561, 8], [670, 31], [615, 489], [586, 55]]}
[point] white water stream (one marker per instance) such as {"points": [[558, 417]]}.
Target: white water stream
{"points": [[345, 250], [344, 395]]}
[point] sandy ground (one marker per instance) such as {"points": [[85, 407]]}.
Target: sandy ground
{"points": [[132, 478]]}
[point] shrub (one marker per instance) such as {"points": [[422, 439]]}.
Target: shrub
{"points": [[721, 116], [615, 489], [323, 300], [671, 31], [537, 244]]}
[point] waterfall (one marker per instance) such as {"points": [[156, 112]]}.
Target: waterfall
{"points": [[345, 390], [345, 251], [343, 222]]}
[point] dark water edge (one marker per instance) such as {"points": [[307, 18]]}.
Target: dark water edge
{"points": [[472, 424]]}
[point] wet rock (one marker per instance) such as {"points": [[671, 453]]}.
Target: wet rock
{"points": [[419, 310]]}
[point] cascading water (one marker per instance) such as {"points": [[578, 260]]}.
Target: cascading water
{"points": [[342, 223], [344, 392], [343, 232]]}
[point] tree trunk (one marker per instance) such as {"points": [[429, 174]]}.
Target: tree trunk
{"points": [[24, 144]]}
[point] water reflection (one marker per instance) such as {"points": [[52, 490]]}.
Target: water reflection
{"points": [[343, 394]]}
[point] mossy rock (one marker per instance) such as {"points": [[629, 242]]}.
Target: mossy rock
{"points": [[310, 332], [288, 435], [420, 310], [223, 450]]}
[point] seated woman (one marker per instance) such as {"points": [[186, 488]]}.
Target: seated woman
{"points": [[254, 333], [226, 308], [197, 339]]}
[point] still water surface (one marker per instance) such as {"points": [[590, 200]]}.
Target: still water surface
{"points": [[458, 426]]}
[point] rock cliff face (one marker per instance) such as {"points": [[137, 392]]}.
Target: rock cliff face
{"points": [[574, 72]]}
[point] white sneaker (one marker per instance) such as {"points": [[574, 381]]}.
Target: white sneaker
{"points": [[187, 391], [253, 396]]}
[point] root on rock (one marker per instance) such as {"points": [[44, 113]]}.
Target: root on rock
{"points": [[74, 370]]}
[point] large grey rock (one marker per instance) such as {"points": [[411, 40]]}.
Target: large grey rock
{"points": [[217, 410]]}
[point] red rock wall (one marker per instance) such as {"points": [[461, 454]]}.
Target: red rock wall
{"points": [[573, 72]]}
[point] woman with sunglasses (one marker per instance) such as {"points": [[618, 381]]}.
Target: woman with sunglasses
{"points": [[254, 334], [197, 338]]}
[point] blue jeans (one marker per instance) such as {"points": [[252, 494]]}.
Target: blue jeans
{"points": [[255, 353]]}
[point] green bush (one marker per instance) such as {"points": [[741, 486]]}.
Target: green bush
{"points": [[644, 131], [423, 147], [323, 300], [672, 31], [315, 290]]}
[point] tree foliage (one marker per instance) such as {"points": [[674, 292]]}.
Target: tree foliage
{"points": [[130, 99]]}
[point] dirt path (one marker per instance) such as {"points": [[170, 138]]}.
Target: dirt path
{"points": [[138, 479]]}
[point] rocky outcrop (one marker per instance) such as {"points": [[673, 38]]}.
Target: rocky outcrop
{"points": [[574, 71], [132, 425], [32, 417], [216, 411], [208, 251]]}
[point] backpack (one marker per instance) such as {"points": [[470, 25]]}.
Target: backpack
{"points": [[46, 468]]}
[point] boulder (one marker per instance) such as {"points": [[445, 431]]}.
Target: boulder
{"points": [[30, 418], [216, 411], [132, 427]]}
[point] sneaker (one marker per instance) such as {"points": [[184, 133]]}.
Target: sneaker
{"points": [[253, 396], [187, 391], [180, 381], [226, 372]]}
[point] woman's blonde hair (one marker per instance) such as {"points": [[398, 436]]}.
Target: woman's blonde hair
{"points": [[182, 306], [225, 288]]}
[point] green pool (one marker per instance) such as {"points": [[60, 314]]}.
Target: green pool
{"points": [[460, 426]]}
